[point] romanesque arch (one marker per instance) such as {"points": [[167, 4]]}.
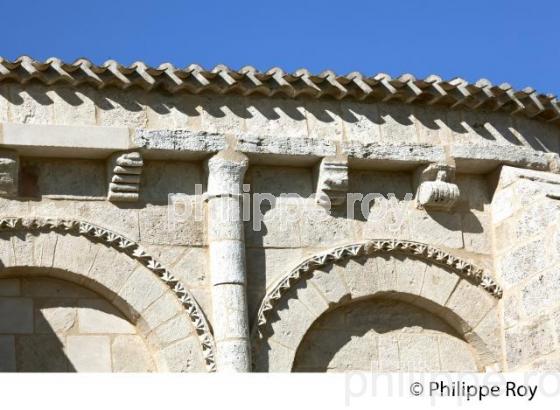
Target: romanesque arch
{"points": [[447, 286], [117, 269]]}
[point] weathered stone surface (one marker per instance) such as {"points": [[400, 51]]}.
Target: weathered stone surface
{"points": [[99, 316], [183, 356], [130, 354], [7, 354], [528, 341], [89, 353], [17, 315]]}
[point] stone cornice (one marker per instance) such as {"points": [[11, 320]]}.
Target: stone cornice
{"points": [[133, 250], [432, 90]]}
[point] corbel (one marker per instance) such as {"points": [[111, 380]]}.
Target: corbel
{"points": [[125, 171], [9, 173], [332, 181], [435, 187]]}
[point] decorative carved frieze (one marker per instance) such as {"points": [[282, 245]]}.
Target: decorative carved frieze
{"points": [[416, 250], [332, 182], [435, 188], [125, 173], [9, 173], [132, 249]]}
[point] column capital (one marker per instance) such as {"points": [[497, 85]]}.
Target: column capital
{"points": [[226, 171]]}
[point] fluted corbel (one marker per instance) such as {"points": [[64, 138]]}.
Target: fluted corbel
{"points": [[9, 173], [125, 171], [435, 187]]}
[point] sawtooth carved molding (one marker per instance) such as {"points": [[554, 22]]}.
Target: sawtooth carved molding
{"points": [[417, 250], [132, 249], [455, 93]]}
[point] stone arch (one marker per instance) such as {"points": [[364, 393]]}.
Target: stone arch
{"points": [[119, 270], [443, 284]]}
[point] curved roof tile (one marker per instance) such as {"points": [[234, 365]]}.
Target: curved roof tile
{"points": [[432, 90]]}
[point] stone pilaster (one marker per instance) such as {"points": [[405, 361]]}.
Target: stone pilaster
{"points": [[227, 261]]}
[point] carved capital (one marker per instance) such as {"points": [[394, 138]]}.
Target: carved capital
{"points": [[125, 171], [435, 188], [9, 173], [332, 181]]}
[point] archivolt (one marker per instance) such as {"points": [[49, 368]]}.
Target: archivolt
{"points": [[133, 250], [414, 249]]}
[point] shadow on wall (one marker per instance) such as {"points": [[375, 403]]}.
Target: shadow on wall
{"points": [[516, 131], [380, 335], [51, 325]]}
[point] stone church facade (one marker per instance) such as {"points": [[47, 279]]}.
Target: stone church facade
{"points": [[185, 220]]}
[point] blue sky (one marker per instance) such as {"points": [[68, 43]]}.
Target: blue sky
{"points": [[505, 41]]}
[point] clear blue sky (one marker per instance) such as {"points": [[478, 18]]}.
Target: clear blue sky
{"points": [[505, 41]]}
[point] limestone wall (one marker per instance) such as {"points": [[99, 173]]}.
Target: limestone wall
{"points": [[525, 220], [493, 172]]}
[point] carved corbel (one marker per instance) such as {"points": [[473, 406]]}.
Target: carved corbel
{"points": [[435, 189], [9, 173], [332, 182], [125, 170]]}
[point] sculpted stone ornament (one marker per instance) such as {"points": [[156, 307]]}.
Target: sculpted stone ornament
{"points": [[125, 173], [332, 182], [96, 233], [435, 190], [9, 173], [377, 246]]}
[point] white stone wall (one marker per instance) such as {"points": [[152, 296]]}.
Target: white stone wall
{"points": [[50, 325], [504, 222], [525, 218], [382, 335]]}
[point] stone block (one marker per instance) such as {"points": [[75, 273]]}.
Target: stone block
{"points": [[158, 226], [388, 348], [294, 321], [438, 284], [74, 254], [471, 303], [110, 271], [130, 354], [183, 356], [360, 275], [89, 353], [521, 262], [9, 287], [418, 353], [73, 106], [180, 327], [99, 316], [163, 309], [121, 109], [42, 353], [397, 123], [53, 288], [276, 116], [35, 107], [274, 358], [54, 316], [410, 275], [455, 355], [324, 120], [361, 121], [16, 314], [226, 114], [330, 285], [141, 289], [527, 342], [7, 354], [541, 292]]}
